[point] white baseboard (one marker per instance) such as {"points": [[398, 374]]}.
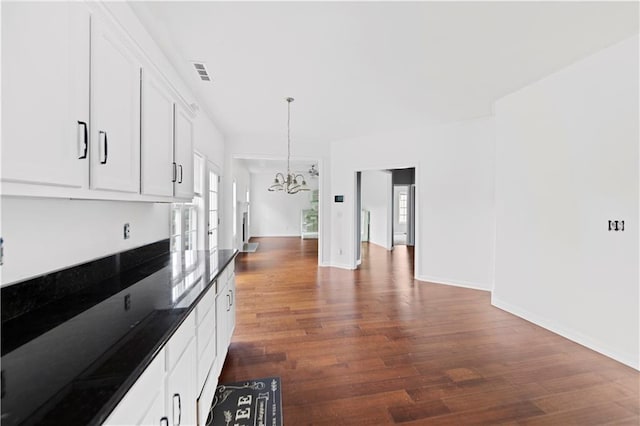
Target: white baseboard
{"points": [[626, 359], [455, 283], [340, 265], [276, 235]]}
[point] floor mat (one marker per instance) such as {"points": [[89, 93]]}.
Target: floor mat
{"points": [[252, 402]]}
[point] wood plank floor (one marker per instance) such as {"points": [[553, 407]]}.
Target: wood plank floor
{"points": [[373, 347]]}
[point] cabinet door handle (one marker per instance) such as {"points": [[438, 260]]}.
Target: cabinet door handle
{"points": [[180, 181], [175, 172], [83, 139], [231, 291], [164, 421], [177, 395], [105, 144], [228, 303]]}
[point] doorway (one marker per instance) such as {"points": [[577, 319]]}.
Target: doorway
{"points": [[385, 205]]}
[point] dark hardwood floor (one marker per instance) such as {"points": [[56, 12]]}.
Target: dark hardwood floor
{"points": [[373, 346]]}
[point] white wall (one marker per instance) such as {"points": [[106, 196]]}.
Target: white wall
{"points": [[454, 197], [241, 175], [44, 235], [276, 214], [376, 197], [567, 162]]}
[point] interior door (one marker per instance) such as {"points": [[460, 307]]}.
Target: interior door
{"points": [[411, 216]]}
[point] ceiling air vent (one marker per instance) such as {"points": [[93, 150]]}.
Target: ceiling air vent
{"points": [[201, 69]]}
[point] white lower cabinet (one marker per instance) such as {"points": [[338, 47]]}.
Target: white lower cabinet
{"points": [[178, 386], [144, 403], [181, 389]]}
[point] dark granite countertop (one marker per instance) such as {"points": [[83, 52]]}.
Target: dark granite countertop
{"points": [[70, 360]]}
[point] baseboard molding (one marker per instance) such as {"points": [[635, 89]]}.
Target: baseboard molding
{"points": [[380, 245], [276, 235], [454, 283], [340, 266], [572, 335]]}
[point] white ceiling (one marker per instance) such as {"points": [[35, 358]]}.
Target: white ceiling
{"points": [[358, 68]]}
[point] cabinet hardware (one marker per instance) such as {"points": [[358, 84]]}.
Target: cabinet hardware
{"points": [[231, 298], [164, 421], [228, 303], [179, 409], [175, 173], [83, 137], [180, 181], [105, 144]]}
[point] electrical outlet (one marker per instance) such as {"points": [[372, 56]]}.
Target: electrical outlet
{"points": [[127, 231], [616, 225]]}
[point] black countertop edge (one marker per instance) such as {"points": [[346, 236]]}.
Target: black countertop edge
{"points": [[77, 371]]}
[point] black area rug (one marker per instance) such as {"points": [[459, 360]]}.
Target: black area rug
{"points": [[255, 402]]}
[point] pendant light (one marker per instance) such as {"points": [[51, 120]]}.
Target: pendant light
{"points": [[291, 183]]}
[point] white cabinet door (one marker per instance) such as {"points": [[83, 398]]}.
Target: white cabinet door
{"points": [[183, 187], [231, 326], [45, 93], [115, 112], [158, 171], [155, 413], [144, 402], [181, 389], [223, 307]]}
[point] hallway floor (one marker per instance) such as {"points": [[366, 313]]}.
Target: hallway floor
{"points": [[373, 346]]}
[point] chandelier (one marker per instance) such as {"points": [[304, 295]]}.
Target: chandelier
{"points": [[292, 183]]}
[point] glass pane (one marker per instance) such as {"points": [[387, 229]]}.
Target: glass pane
{"points": [[175, 222], [213, 182], [213, 201], [176, 243], [213, 219], [213, 239], [193, 219]]}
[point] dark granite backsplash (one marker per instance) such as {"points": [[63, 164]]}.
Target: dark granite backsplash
{"points": [[34, 293]]}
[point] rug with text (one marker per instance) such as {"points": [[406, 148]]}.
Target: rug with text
{"points": [[256, 402]]}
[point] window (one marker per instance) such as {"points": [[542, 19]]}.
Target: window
{"points": [[184, 226], [185, 223], [214, 218], [402, 208]]}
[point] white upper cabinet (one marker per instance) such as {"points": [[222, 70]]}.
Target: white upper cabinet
{"points": [[115, 113], [158, 171], [183, 186], [45, 93], [78, 119]]}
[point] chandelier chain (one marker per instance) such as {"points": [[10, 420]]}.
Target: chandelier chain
{"points": [[289, 100]]}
